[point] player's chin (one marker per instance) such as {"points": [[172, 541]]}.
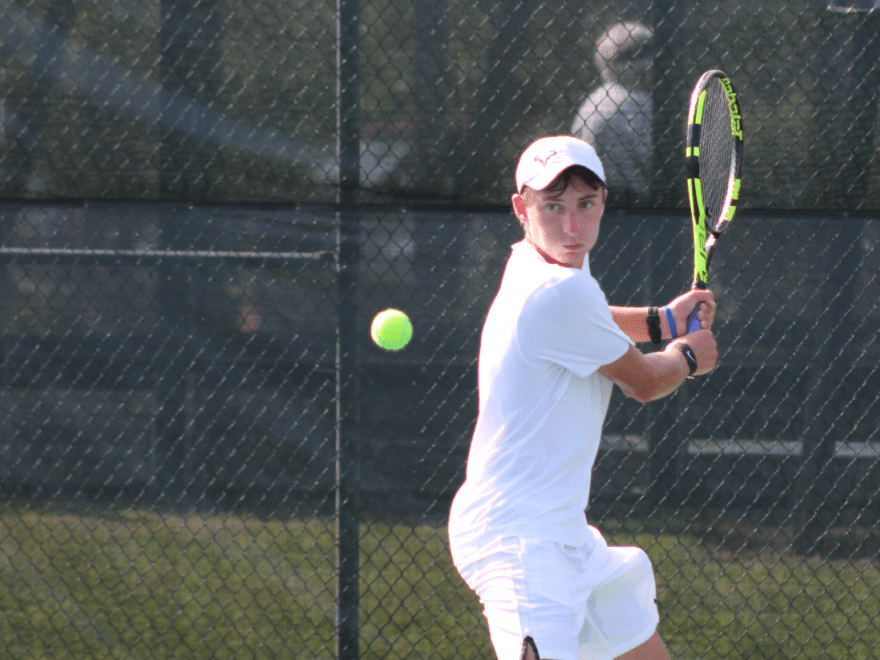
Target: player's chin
{"points": [[574, 255]]}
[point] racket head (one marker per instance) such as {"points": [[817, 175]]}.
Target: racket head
{"points": [[714, 160]]}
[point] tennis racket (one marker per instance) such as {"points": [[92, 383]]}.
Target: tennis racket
{"points": [[714, 165]]}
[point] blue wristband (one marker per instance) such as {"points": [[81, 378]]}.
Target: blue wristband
{"points": [[672, 329]]}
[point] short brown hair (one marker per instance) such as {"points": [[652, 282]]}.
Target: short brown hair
{"points": [[563, 181]]}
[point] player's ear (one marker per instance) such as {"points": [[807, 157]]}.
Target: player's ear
{"points": [[519, 209]]}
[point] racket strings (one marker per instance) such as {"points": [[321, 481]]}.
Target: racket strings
{"points": [[717, 145]]}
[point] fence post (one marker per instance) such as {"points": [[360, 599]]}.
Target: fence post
{"points": [[347, 367]]}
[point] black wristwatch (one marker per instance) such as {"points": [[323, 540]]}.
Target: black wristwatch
{"points": [[654, 325], [688, 353]]}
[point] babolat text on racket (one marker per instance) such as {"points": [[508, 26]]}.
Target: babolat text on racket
{"points": [[714, 165]]}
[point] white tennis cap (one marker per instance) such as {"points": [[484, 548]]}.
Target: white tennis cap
{"points": [[546, 158]]}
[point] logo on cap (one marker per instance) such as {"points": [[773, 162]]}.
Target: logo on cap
{"points": [[545, 159]]}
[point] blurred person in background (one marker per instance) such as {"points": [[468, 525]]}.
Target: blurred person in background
{"points": [[616, 117]]}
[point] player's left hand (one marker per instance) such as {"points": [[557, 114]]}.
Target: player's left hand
{"points": [[682, 307]]}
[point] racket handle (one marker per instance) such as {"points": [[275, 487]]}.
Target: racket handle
{"points": [[693, 321]]}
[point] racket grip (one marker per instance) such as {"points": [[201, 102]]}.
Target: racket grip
{"points": [[693, 321]]}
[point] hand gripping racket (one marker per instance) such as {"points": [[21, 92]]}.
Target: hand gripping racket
{"points": [[714, 162]]}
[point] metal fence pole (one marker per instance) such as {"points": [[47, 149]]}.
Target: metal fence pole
{"points": [[347, 368]]}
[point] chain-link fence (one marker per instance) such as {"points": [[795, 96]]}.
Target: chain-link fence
{"points": [[203, 100], [202, 454]]}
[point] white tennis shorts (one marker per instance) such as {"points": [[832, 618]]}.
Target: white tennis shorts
{"points": [[577, 603]]}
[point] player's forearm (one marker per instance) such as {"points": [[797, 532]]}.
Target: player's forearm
{"points": [[669, 370], [634, 323], [665, 375], [646, 377]]}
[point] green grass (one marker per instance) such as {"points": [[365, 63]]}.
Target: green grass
{"points": [[227, 587], [760, 604], [147, 585]]}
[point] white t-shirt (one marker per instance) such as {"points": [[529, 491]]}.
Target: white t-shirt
{"points": [[542, 407]]}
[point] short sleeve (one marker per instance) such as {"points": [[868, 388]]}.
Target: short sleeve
{"points": [[569, 323]]}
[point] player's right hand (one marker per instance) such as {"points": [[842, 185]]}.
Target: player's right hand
{"points": [[684, 305], [702, 343]]}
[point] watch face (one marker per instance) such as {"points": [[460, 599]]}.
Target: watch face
{"points": [[690, 356]]}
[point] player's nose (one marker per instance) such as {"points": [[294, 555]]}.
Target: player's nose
{"points": [[571, 224]]}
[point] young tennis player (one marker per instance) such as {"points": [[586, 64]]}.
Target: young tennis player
{"points": [[551, 350]]}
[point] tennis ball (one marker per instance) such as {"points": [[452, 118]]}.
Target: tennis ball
{"points": [[391, 329]]}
